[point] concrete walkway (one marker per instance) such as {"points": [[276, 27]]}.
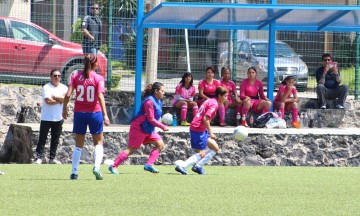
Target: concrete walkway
{"points": [[225, 130]]}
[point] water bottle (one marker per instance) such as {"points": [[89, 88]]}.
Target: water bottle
{"points": [[302, 120], [311, 123], [243, 120], [251, 121], [280, 114], [238, 119], [320, 122], [174, 123], [306, 120], [297, 123]]}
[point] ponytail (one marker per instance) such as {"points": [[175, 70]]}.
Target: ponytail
{"points": [[89, 64]]}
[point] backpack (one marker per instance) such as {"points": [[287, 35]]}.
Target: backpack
{"points": [[261, 121]]}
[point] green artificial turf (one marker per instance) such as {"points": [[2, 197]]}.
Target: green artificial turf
{"points": [[47, 190]]}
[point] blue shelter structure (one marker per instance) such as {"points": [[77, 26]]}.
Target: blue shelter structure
{"points": [[271, 17]]}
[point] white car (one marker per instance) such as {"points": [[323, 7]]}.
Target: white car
{"points": [[254, 53]]}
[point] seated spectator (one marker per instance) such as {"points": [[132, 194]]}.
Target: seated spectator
{"points": [[184, 97], [232, 93], [252, 94], [207, 86], [328, 83], [286, 98]]}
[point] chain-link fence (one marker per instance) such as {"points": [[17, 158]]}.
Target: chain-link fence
{"points": [[35, 55]]}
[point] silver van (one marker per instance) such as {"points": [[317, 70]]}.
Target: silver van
{"points": [[255, 53]]}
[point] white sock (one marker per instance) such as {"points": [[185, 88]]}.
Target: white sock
{"points": [[98, 154], [192, 160], [76, 159], [209, 154]]}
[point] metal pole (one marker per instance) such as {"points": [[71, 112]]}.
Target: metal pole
{"points": [[139, 55], [271, 57], [187, 51], [110, 36], [357, 62]]}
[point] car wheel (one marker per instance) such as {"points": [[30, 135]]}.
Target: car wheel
{"points": [[71, 70]]}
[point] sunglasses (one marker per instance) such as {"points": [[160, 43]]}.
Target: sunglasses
{"points": [[57, 76], [95, 8], [326, 60]]}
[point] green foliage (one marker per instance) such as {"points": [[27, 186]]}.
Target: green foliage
{"points": [[231, 190], [117, 65], [115, 80], [76, 35]]}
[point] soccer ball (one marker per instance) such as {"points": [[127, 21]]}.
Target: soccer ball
{"points": [[167, 119], [240, 133], [179, 163]]}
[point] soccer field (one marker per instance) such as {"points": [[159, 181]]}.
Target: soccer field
{"points": [[47, 190]]}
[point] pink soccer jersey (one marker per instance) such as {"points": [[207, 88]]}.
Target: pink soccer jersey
{"points": [[253, 91], [230, 85], [183, 93], [209, 108], [87, 91], [209, 89], [283, 89]]}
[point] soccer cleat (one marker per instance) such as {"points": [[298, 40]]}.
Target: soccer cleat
{"points": [[323, 107], [181, 170], [74, 176], [113, 170], [97, 174], [199, 170], [38, 161], [151, 168], [185, 123], [53, 161]]}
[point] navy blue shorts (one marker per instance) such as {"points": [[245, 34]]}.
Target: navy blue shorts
{"points": [[83, 119], [199, 140]]}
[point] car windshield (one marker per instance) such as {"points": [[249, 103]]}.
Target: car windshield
{"points": [[281, 50]]}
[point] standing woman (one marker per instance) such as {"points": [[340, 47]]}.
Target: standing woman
{"points": [[230, 85], [184, 97], [252, 94], [142, 128], [286, 98], [207, 86], [201, 134], [89, 111]]}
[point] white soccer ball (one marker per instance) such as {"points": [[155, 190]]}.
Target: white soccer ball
{"points": [[167, 119], [240, 133], [108, 162], [179, 163]]}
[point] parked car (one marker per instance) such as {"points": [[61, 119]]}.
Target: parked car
{"points": [[255, 53], [29, 52]]}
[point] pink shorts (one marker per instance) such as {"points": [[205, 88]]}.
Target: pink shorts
{"points": [[137, 137], [254, 104], [287, 105]]}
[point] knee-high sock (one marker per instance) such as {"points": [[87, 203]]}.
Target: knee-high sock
{"points": [[154, 154], [121, 158], [195, 110], [98, 154], [294, 114], [209, 154], [192, 160], [244, 110], [183, 112], [222, 113], [282, 110], [265, 110], [76, 159]]}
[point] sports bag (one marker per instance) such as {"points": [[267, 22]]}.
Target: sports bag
{"points": [[261, 121]]}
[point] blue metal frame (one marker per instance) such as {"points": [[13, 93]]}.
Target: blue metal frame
{"points": [[270, 24]]}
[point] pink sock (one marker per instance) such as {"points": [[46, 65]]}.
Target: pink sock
{"points": [[222, 113], [265, 110], [121, 158], [195, 110], [183, 112], [282, 110], [294, 114], [244, 111], [154, 154]]}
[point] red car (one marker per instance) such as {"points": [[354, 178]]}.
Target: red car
{"points": [[28, 53]]}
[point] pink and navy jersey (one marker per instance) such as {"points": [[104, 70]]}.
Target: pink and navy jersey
{"points": [[283, 89], [87, 91], [209, 88], [208, 108], [230, 85], [252, 91], [182, 93], [148, 108]]}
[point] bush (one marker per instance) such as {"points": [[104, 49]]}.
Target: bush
{"points": [[115, 80]]}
